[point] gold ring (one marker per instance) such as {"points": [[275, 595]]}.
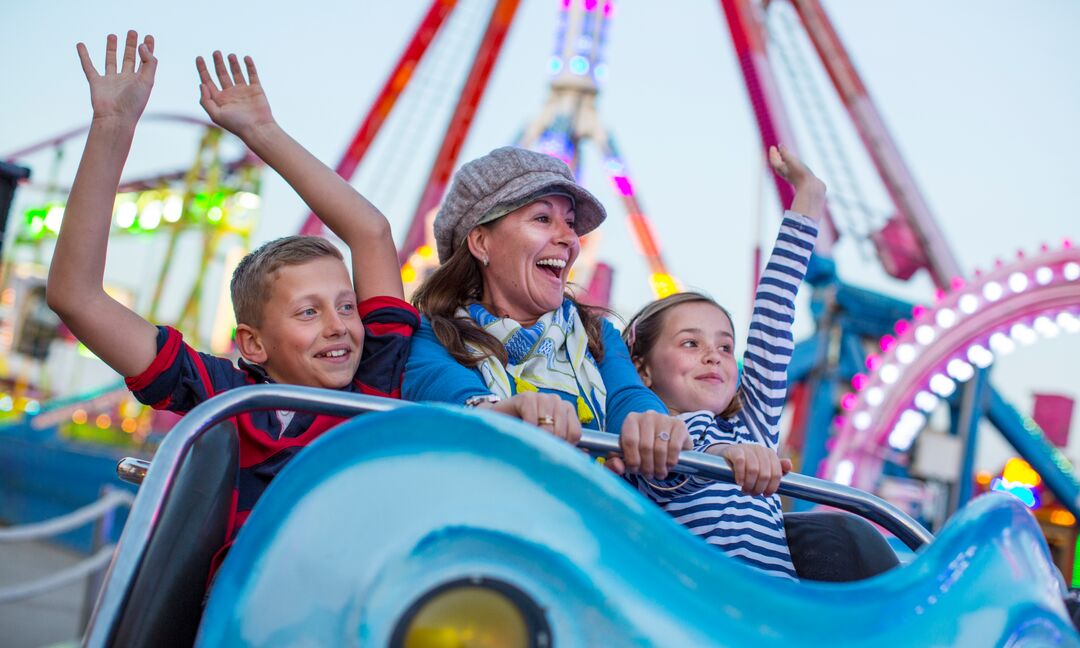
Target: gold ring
{"points": [[546, 420], [664, 436]]}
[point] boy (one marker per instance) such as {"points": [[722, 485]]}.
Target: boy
{"points": [[300, 320]]}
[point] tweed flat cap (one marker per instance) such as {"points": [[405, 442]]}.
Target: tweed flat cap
{"points": [[503, 180]]}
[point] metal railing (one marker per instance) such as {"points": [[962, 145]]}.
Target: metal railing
{"points": [[102, 513], [811, 489], [162, 474]]}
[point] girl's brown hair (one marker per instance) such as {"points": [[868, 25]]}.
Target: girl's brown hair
{"points": [[457, 283], [643, 332]]}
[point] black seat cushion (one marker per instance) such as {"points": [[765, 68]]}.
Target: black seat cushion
{"points": [[165, 602], [837, 547]]}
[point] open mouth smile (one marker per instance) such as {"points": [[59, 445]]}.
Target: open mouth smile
{"points": [[553, 266]]}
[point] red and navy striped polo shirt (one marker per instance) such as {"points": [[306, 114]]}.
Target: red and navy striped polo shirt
{"points": [[180, 378]]}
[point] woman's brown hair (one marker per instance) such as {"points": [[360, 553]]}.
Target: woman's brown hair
{"points": [[643, 331], [457, 283]]}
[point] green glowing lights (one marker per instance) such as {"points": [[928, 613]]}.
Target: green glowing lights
{"points": [[148, 211]]}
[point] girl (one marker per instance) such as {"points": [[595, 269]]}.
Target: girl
{"points": [[684, 349]]}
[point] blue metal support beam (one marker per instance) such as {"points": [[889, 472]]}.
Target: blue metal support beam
{"points": [[1031, 444], [967, 411]]}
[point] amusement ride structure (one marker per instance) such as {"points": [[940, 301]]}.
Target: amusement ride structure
{"points": [[861, 434], [905, 364], [902, 361], [213, 203]]}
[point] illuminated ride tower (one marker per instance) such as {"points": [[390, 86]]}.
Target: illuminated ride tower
{"points": [[569, 118], [850, 321]]}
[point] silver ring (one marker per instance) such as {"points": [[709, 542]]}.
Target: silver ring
{"points": [[546, 420], [664, 436]]}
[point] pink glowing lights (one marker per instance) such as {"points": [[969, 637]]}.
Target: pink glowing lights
{"points": [[848, 401], [622, 183], [860, 381]]}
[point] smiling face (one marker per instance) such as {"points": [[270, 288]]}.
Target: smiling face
{"points": [[530, 253], [310, 333], [692, 366]]}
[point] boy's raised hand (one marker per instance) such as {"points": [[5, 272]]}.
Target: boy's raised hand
{"points": [[240, 106], [237, 105], [117, 335], [121, 94]]}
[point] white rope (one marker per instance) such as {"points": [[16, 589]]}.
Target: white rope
{"points": [[65, 523], [59, 579]]}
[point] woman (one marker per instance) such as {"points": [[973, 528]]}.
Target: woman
{"points": [[500, 330]]}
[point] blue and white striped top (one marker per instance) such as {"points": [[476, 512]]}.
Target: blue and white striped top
{"points": [[747, 527]]}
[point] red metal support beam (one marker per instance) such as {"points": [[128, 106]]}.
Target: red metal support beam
{"points": [[745, 22], [502, 15], [895, 174], [380, 109]]}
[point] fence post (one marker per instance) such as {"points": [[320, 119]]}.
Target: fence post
{"points": [[101, 533]]}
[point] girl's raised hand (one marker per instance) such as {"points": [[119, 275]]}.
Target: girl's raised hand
{"points": [[236, 104], [121, 94], [789, 167], [809, 197]]}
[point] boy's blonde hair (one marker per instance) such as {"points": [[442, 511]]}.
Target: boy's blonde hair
{"points": [[253, 277], [643, 331]]}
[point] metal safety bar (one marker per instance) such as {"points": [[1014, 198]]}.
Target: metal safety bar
{"points": [[167, 461], [811, 489]]}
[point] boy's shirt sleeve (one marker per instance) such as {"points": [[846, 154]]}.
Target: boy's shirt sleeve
{"points": [[180, 377], [389, 325]]}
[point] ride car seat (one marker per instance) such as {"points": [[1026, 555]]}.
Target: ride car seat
{"points": [[164, 605]]}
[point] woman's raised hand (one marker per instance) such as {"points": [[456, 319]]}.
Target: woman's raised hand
{"points": [[548, 412], [236, 104], [121, 93]]}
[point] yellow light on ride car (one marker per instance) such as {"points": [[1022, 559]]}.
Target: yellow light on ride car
{"points": [[473, 613], [467, 617]]}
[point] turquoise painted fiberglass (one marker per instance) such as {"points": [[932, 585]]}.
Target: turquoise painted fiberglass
{"points": [[390, 505]]}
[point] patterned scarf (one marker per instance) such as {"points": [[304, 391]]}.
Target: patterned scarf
{"points": [[551, 354]]}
